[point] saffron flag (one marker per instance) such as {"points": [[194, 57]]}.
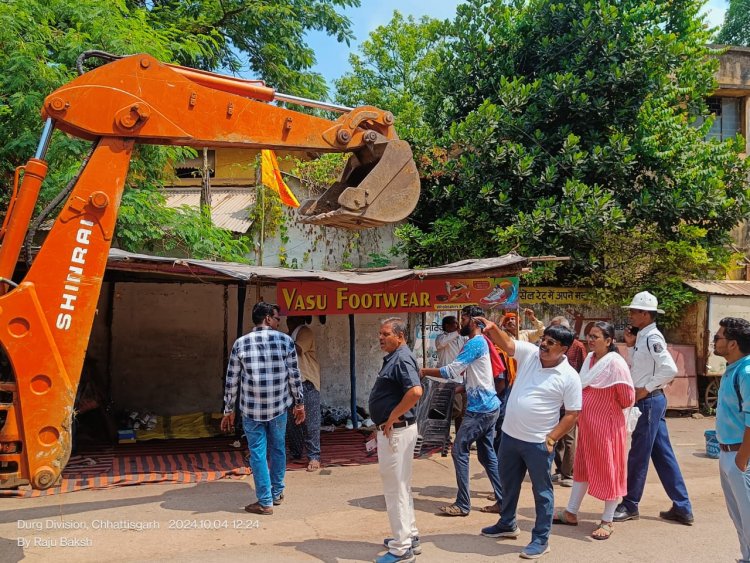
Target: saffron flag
{"points": [[271, 177]]}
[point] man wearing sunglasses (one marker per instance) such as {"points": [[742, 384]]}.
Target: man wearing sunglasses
{"points": [[263, 365], [545, 382]]}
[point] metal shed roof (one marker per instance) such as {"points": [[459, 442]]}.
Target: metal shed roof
{"points": [[724, 287], [228, 205], [188, 269]]}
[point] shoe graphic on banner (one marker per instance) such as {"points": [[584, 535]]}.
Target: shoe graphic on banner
{"points": [[503, 292]]}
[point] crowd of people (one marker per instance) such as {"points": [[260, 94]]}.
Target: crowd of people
{"points": [[523, 401]]}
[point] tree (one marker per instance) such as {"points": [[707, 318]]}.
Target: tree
{"points": [[736, 28], [390, 73], [265, 38], [41, 39], [571, 123]]}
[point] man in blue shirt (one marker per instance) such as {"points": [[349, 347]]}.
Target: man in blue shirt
{"points": [[732, 342], [473, 369]]}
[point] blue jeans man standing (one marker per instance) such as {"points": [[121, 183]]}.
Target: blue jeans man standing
{"points": [[544, 383], [263, 377], [474, 368]]}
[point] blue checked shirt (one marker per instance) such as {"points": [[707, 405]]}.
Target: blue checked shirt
{"points": [[264, 363]]}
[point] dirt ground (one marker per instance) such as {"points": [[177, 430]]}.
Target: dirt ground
{"points": [[339, 515]]}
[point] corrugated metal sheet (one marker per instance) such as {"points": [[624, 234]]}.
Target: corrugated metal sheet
{"points": [[724, 287], [228, 205], [121, 260]]}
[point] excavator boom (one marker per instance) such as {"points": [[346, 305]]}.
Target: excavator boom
{"points": [[139, 97], [46, 319]]}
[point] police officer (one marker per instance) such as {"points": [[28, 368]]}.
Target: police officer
{"points": [[652, 368]]}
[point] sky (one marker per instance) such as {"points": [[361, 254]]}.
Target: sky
{"points": [[333, 57]]}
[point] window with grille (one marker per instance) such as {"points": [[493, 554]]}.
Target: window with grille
{"points": [[727, 123]]}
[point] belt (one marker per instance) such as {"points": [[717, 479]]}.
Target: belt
{"points": [[729, 447], [401, 424]]}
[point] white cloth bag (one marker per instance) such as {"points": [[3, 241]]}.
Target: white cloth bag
{"points": [[631, 418]]}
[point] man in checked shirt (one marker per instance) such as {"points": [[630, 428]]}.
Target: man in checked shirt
{"points": [[263, 364]]}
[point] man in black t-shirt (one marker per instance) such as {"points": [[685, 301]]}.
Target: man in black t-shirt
{"points": [[392, 399]]}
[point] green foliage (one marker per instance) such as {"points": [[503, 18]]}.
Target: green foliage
{"points": [[640, 259], [736, 28], [318, 174], [572, 129], [147, 225], [262, 37], [41, 39], [390, 73], [377, 260], [267, 215]]}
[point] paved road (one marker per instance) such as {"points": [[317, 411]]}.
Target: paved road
{"points": [[339, 515]]}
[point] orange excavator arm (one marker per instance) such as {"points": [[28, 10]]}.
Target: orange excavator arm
{"points": [[45, 321]]}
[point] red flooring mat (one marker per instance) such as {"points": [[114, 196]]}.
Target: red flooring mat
{"points": [[184, 461]]}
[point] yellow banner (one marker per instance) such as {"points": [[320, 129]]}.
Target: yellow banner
{"points": [[555, 295]]}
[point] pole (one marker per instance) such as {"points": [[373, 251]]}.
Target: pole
{"points": [[353, 372], [424, 341], [241, 294], [259, 187]]}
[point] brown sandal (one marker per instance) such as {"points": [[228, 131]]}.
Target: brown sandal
{"points": [[562, 517], [492, 509], [453, 510], [607, 527]]}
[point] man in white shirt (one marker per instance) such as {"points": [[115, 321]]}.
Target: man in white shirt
{"points": [[448, 346], [652, 368], [545, 382]]}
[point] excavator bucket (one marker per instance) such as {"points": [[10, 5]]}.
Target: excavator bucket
{"points": [[379, 185]]}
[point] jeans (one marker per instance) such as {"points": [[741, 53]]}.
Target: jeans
{"points": [[651, 440], [736, 487], [479, 428], [496, 446], [518, 457], [306, 435], [266, 440]]}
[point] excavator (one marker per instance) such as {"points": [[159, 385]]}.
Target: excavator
{"points": [[46, 318]]}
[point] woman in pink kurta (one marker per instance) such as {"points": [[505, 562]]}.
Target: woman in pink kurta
{"points": [[601, 458]]}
